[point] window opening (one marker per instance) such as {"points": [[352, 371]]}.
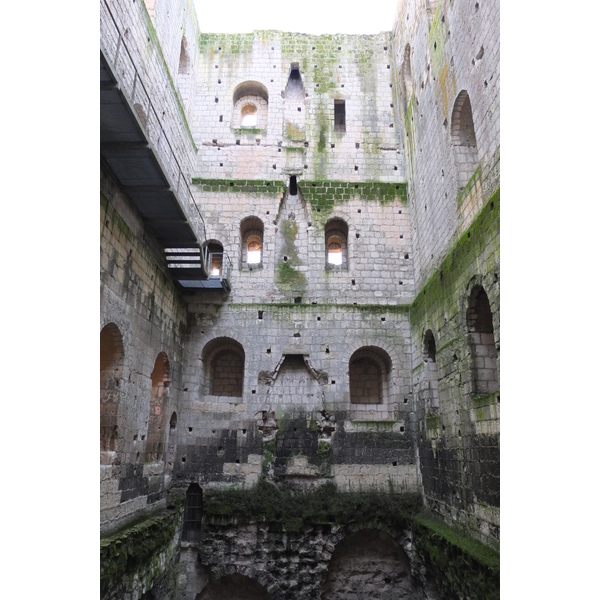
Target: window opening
{"points": [[192, 514], [184, 58], [293, 186], [224, 363], [249, 115], [369, 370], [431, 375], [464, 143], [481, 337], [254, 250], [334, 253], [339, 108], [336, 246], [215, 259], [158, 403], [251, 237], [111, 370]]}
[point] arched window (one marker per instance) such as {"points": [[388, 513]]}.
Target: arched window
{"points": [[250, 106], [336, 246], [158, 404], [214, 258], [430, 377], [111, 371], [481, 340], [251, 234], [369, 370], [464, 144], [192, 514], [224, 367]]}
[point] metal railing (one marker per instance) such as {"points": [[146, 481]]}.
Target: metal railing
{"points": [[114, 48], [219, 265]]}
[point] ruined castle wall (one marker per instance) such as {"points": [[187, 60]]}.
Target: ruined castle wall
{"points": [[176, 26], [311, 561], [442, 49], [139, 299], [296, 384], [147, 72], [377, 266], [458, 408], [295, 131]]}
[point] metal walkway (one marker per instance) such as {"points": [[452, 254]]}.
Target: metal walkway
{"points": [[130, 132]]}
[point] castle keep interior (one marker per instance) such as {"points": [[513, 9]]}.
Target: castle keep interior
{"points": [[300, 300]]}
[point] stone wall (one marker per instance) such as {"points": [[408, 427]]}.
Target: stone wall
{"points": [[139, 302], [297, 360], [459, 441], [353, 69], [374, 369], [442, 50], [377, 265]]}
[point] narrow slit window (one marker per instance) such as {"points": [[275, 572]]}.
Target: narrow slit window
{"points": [[339, 107]]}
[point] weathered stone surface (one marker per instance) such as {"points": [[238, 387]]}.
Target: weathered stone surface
{"points": [[360, 347]]}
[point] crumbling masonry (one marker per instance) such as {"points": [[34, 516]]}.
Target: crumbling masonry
{"points": [[300, 289]]}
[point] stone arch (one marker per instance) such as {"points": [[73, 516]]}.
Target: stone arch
{"points": [[369, 563], [336, 243], [462, 137], [369, 372], [430, 373], [112, 357], [480, 328], [234, 587], [224, 360], [250, 105], [161, 380], [252, 239]]}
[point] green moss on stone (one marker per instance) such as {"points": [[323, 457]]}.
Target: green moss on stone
{"points": [[254, 186], [465, 191], [432, 422], [324, 195], [450, 554], [290, 278], [378, 425], [461, 262], [134, 547], [324, 505], [481, 401]]}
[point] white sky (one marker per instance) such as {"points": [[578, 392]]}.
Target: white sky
{"points": [[300, 16]]}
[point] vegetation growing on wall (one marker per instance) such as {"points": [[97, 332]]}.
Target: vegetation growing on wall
{"points": [[460, 260], [450, 556], [470, 184], [248, 186], [158, 48], [447, 552], [324, 195], [326, 504], [133, 548]]}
